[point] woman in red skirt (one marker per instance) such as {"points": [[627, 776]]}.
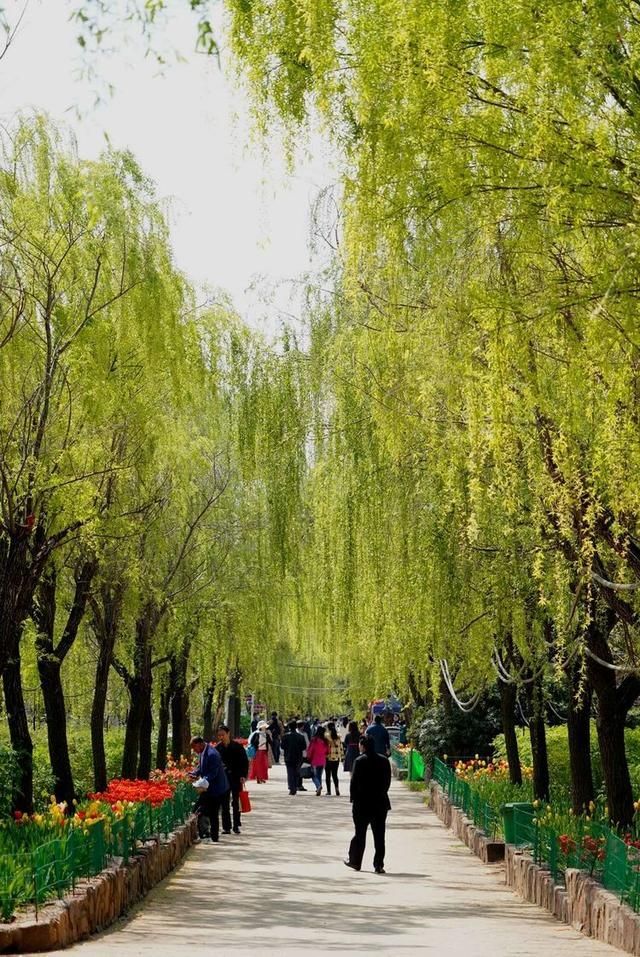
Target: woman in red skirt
{"points": [[261, 741]]}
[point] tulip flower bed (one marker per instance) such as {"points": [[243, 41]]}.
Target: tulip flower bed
{"points": [[556, 838], [481, 788], [44, 855]]}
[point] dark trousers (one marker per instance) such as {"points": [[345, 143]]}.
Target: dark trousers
{"points": [[275, 747], [363, 818], [233, 797], [293, 777], [331, 771], [209, 806]]}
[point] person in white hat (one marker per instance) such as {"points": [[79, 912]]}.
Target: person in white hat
{"points": [[261, 741]]}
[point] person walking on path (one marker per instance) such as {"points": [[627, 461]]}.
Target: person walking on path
{"points": [[380, 735], [334, 756], [211, 801], [293, 748], [236, 763], [261, 741], [277, 730], [317, 757], [369, 789], [301, 730], [351, 746], [343, 728]]}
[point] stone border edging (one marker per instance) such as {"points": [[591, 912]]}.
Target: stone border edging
{"points": [[486, 848], [98, 902], [584, 903]]}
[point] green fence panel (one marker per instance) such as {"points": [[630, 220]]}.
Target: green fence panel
{"points": [[416, 766], [616, 869]]}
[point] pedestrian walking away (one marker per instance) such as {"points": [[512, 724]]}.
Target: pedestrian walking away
{"points": [[343, 728], [301, 730], [261, 741], [236, 763], [351, 746], [334, 757], [317, 757], [369, 791], [211, 801], [293, 748], [276, 729], [380, 735]]}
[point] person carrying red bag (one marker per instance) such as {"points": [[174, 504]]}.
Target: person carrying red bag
{"points": [[234, 757]]}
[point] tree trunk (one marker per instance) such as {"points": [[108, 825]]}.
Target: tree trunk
{"points": [[578, 731], [132, 730], [105, 623], [419, 699], [56, 712], [614, 702], [19, 733], [163, 730], [507, 708], [180, 719], [146, 728], [538, 736], [207, 711]]}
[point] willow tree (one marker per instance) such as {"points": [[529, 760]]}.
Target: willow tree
{"points": [[491, 283]]}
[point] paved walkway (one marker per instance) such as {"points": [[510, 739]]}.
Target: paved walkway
{"points": [[282, 889]]}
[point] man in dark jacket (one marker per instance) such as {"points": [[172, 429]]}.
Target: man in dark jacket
{"points": [[276, 728], [370, 783], [380, 735], [236, 763], [293, 748], [210, 766]]}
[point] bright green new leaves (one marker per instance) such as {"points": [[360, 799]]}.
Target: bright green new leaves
{"points": [[477, 435]]}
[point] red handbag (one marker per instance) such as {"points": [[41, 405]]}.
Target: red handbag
{"points": [[245, 801]]}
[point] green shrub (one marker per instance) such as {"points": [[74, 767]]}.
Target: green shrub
{"points": [[558, 750], [442, 730]]}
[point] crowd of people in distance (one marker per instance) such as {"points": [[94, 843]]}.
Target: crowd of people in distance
{"points": [[313, 750]]}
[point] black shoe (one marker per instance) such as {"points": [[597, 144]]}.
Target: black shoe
{"points": [[226, 832], [236, 830], [352, 866], [214, 840], [293, 792], [380, 870], [302, 788]]}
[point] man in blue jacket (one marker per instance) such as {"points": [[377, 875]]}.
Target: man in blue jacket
{"points": [[211, 801], [380, 735]]}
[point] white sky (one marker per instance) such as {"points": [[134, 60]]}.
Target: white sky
{"points": [[237, 219]]}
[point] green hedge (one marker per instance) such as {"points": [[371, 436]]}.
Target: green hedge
{"points": [[558, 748]]}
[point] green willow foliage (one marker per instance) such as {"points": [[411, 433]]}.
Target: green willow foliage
{"points": [[475, 372], [142, 532]]}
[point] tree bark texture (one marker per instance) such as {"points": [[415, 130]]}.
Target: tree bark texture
{"points": [[105, 623], [614, 701], [207, 711], [579, 735], [538, 737], [507, 709], [19, 733], [163, 730]]}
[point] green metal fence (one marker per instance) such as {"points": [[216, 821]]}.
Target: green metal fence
{"points": [[462, 795], [410, 761], [399, 758], [53, 868]]}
